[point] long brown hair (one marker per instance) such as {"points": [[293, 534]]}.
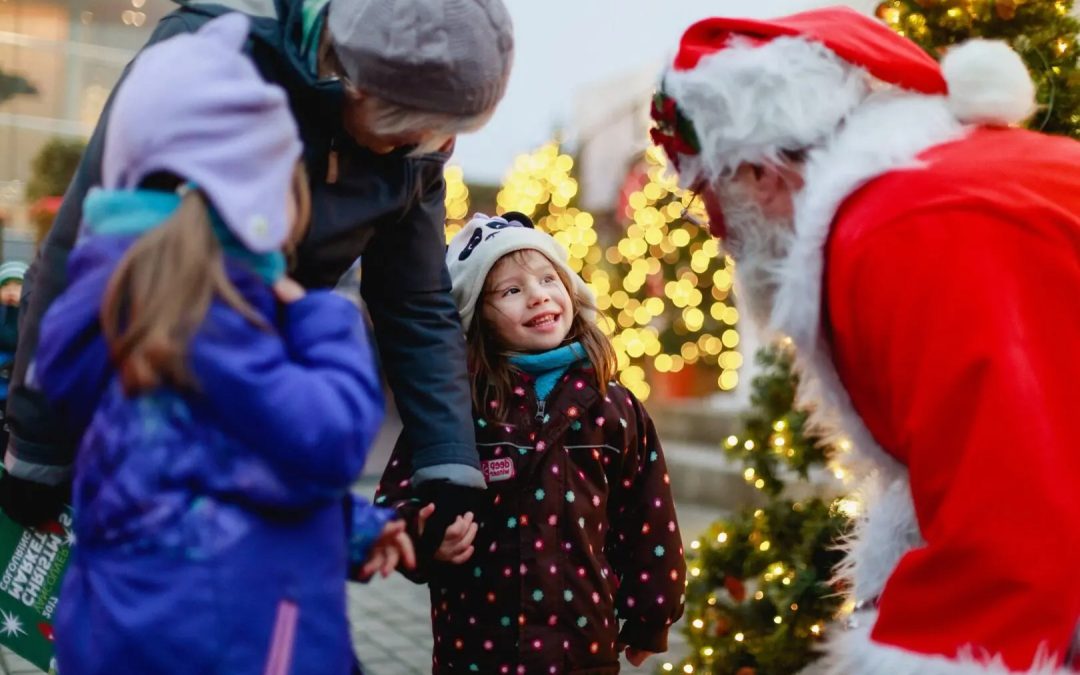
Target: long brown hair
{"points": [[490, 371], [161, 290]]}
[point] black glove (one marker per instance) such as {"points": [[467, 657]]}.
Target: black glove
{"points": [[29, 503], [450, 500]]}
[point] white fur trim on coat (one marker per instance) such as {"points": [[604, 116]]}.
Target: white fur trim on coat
{"points": [[887, 132], [885, 530], [884, 134], [853, 652]]}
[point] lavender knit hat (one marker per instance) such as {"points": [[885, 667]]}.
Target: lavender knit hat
{"points": [[195, 106]]}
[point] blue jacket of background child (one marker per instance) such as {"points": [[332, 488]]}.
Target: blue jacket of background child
{"points": [[209, 524]]}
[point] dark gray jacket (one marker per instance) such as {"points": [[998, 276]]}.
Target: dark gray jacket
{"points": [[387, 208]]}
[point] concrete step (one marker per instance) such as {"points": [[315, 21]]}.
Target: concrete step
{"points": [[706, 421], [704, 475]]}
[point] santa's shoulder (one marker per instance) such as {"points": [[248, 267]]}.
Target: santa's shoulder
{"points": [[991, 174]]}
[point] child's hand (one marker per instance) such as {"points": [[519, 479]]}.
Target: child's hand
{"points": [[456, 546], [288, 291], [392, 546], [635, 656]]}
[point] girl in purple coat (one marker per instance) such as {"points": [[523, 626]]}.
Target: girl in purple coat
{"points": [[574, 555], [223, 413]]}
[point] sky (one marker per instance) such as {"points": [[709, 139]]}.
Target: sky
{"points": [[563, 46]]}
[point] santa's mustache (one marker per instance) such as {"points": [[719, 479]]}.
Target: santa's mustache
{"points": [[759, 246]]}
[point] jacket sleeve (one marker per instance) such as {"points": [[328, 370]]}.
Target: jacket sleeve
{"points": [[308, 399], [395, 491], [41, 448], [644, 545], [406, 286], [960, 356], [72, 366], [365, 524]]}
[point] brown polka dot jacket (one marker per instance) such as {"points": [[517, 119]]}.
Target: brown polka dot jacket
{"points": [[579, 535]]}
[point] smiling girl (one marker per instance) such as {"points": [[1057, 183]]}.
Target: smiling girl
{"points": [[577, 531]]}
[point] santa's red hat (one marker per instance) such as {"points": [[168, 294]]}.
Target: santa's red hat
{"points": [[744, 90]]}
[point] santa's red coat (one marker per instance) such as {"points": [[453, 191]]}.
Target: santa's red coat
{"points": [[952, 306]]}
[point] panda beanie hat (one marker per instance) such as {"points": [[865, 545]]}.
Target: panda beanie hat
{"points": [[484, 241]]}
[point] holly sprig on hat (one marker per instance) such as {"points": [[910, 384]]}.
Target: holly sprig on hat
{"points": [[673, 132]]}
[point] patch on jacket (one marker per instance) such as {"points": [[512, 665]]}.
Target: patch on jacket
{"points": [[497, 469]]}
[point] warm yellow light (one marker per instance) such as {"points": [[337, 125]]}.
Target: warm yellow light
{"points": [[759, 483], [668, 666], [765, 545], [749, 474], [708, 651], [688, 669], [816, 629], [698, 623], [749, 445], [722, 537], [739, 637], [777, 620], [847, 506]]}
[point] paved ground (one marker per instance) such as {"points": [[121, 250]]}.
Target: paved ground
{"points": [[392, 629], [391, 625]]}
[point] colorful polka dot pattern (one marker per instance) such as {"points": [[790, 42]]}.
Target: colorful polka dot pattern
{"points": [[583, 536]]}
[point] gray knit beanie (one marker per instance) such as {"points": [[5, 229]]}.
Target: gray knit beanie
{"points": [[443, 56]]}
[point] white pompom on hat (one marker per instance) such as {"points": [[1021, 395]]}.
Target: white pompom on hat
{"points": [[484, 241]]}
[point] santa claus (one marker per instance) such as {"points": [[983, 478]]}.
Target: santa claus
{"points": [[924, 257]]}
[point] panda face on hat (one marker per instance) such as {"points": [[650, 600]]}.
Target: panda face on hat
{"points": [[484, 241]]}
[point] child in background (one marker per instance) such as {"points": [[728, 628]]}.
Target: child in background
{"points": [[578, 531], [11, 282], [223, 413]]}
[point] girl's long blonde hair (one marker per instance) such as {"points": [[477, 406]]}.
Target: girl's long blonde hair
{"points": [[161, 290], [490, 371]]}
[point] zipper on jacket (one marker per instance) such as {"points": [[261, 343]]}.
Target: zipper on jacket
{"points": [[540, 406]]}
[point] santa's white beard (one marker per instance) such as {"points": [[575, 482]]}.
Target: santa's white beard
{"points": [[759, 246]]}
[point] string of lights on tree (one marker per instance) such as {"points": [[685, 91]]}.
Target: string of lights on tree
{"points": [[663, 289], [457, 200], [760, 596], [669, 290], [1043, 32]]}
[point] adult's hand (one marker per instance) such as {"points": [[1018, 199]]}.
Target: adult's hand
{"points": [[29, 503], [288, 291]]}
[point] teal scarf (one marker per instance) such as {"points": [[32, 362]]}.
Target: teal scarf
{"points": [[548, 367], [127, 213]]}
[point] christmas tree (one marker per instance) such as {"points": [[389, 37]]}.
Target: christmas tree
{"points": [[760, 596], [668, 287], [1043, 32]]}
